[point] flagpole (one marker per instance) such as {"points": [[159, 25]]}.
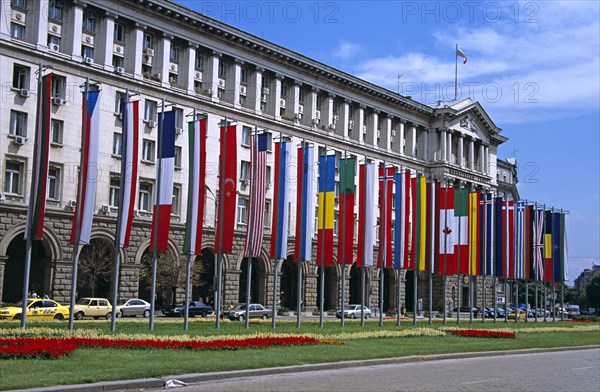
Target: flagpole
{"points": [[363, 195], [220, 225], [456, 78], [400, 236], [564, 262], [251, 219], [432, 233], [323, 217], [494, 261], [505, 261], [299, 261], [382, 242], [343, 186], [471, 251], [78, 207], [525, 275], [446, 233], [415, 266], [276, 259], [459, 251]]}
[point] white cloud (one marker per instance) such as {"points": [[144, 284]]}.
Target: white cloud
{"points": [[347, 50]]}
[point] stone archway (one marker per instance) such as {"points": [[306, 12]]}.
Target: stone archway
{"points": [[95, 268], [330, 294], [207, 279], [288, 287]]}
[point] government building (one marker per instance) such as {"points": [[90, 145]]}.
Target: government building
{"points": [[158, 50]]}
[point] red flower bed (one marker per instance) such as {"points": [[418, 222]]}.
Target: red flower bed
{"points": [[483, 333], [579, 321], [52, 348]]}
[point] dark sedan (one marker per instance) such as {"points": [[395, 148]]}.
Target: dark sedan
{"points": [[196, 308]]}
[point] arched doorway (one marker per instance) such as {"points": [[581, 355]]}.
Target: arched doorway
{"points": [[330, 290], [256, 295], [14, 270], [204, 286], [170, 277], [355, 285], [409, 292], [95, 269], [289, 283], [389, 289]]}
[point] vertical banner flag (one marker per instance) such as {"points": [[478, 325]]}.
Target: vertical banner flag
{"points": [[528, 248], [258, 186], [386, 200], [548, 266], [499, 248], [538, 244], [326, 201], [196, 187], [486, 234], [564, 246], [461, 214], [366, 219], [228, 187], [473, 239], [347, 202], [520, 240], [129, 170], [557, 254], [408, 219], [281, 196], [163, 197], [304, 205], [89, 169], [37, 208], [399, 224], [508, 238], [433, 239], [421, 224]]}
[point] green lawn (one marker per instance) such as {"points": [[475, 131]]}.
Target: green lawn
{"points": [[92, 365]]}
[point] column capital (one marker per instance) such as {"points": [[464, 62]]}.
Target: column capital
{"points": [[348, 101], [279, 76], [193, 45], [331, 95], [238, 61], [297, 84], [259, 69], [215, 53], [376, 111], [361, 106]]}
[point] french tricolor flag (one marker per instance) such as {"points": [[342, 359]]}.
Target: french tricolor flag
{"points": [[163, 197]]}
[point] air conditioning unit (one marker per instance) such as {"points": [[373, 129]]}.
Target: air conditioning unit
{"points": [[2, 197], [336, 118], [265, 90], [104, 210], [152, 124], [364, 129], [58, 101], [315, 121], [350, 124], [221, 83], [173, 67], [149, 51], [378, 133], [245, 181], [263, 98], [89, 60], [242, 90], [70, 205], [24, 93], [393, 132], [198, 75], [54, 47], [178, 131], [20, 140], [298, 116], [318, 114], [120, 70], [282, 102], [300, 109]]}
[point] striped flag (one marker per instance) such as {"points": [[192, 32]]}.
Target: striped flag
{"points": [[163, 197], [421, 224], [486, 234], [399, 224], [565, 246], [520, 240], [281, 200], [86, 200], [129, 171], [473, 239], [227, 189], [557, 243], [460, 53], [258, 186], [386, 192], [538, 244], [304, 205], [366, 218], [192, 243], [326, 199], [548, 264], [528, 242], [508, 236], [433, 238], [499, 249], [347, 202], [408, 221], [34, 226]]}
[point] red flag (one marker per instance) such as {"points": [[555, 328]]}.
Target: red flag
{"points": [[385, 216], [227, 189]]}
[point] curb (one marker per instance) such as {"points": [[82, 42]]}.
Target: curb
{"points": [[200, 377]]}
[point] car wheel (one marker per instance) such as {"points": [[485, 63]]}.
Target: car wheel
{"points": [[367, 315], [265, 316], [353, 316], [119, 314], [146, 313], [108, 316], [59, 317], [17, 317], [241, 318], [79, 316]]}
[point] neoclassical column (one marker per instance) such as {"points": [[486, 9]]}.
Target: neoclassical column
{"points": [[402, 139], [213, 74], [487, 160], [40, 14], [328, 115], [460, 157], [296, 102], [387, 132], [373, 128], [164, 58], [449, 148], [359, 123], [481, 158], [345, 118], [237, 79], [104, 42], [190, 67], [312, 103], [443, 147], [138, 42], [413, 140], [256, 93], [75, 30], [277, 96], [472, 154]]}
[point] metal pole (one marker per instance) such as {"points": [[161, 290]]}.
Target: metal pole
{"points": [[343, 292], [362, 293], [516, 300], [495, 297], [446, 233], [505, 300], [220, 225], [275, 292], [299, 261], [536, 299], [470, 299], [362, 270], [459, 251], [383, 243], [342, 215], [248, 283], [456, 76], [430, 295], [562, 301], [483, 307], [416, 282], [251, 219], [526, 300], [545, 301], [188, 272], [399, 295], [299, 299], [323, 217]]}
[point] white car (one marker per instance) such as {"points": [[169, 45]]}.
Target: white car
{"points": [[135, 307], [354, 311]]}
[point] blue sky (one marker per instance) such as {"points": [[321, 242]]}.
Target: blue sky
{"points": [[533, 65]]}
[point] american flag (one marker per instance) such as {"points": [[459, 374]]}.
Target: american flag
{"points": [[258, 183]]}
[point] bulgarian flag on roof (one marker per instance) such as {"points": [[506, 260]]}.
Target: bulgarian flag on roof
{"points": [[460, 53]]}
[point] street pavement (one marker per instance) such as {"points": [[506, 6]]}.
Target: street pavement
{"points": [[577, 370]]}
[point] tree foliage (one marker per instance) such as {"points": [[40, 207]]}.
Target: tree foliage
{"points": [[96, 262], [593, 292]]}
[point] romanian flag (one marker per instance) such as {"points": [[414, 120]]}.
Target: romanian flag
{"points": [[129, 170], [304, 204], [347, 202], [281, 200], [386, 200], [473, 240], [196, 187], [86, 199], [326, 211], [227, 190], [163, 197], [366, 218], [548, 245], [37, 206]]}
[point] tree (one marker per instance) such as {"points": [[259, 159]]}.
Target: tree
{"points": [[95, 266], [170, 272], [593, 292]]}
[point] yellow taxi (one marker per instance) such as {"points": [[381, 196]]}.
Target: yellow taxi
{"points": [[522, 314], [37, 309]]}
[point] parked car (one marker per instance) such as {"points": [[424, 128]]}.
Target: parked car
{"points": [[37, 309], [354, 311], [255, 311], [93, 307], [520, 312], [466, 309], [196, 308], [540, 312], [134, 307]]}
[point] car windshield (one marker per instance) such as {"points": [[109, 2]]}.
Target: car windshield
{"points": [[240, 307], [83, 301]]}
